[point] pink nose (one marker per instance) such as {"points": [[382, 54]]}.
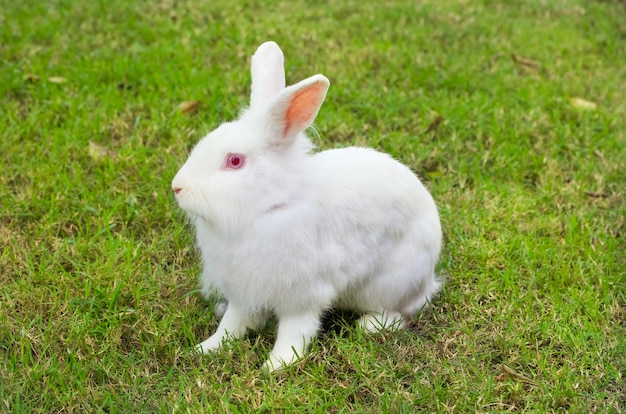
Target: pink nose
{"points": [[176, 190]]}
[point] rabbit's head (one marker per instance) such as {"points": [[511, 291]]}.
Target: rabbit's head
{"points": [[251, 166]]}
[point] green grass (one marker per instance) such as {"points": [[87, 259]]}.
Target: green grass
{"points": [[99, 308]]}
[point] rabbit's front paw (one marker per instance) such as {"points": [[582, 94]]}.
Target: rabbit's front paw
{"points": [[210, 345], [275, 363]]}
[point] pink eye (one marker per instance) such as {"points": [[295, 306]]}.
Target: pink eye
{"points": [[235, 161]]}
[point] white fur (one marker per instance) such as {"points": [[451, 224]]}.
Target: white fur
{"points": [[294, 234]]}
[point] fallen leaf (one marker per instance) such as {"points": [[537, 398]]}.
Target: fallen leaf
{"points": [[525, 62], [596, 194], [580, 103], [189, 107], [56, 79], [98, 152], [31, 77], [512, 374], [434, 125]]}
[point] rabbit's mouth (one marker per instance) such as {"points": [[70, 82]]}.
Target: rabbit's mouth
{"points": [[276, 207]]}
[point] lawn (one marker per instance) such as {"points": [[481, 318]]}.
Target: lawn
{"points": [[512, 112]]}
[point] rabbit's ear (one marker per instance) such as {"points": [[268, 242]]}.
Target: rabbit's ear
{"points": [[268, 74], [296, 107]]}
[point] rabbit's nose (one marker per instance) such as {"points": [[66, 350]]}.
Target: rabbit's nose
{"points": [[176, 190]]}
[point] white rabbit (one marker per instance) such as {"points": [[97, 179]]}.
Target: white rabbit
{"points": [[289, 232]]}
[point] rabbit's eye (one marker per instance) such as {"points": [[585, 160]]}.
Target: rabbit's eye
{"points": [[235, 161]]}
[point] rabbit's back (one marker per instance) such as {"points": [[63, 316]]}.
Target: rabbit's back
{"points": [[369, 182]]}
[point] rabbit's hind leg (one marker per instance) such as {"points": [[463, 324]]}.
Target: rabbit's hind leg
{"points": [[382, 320]]}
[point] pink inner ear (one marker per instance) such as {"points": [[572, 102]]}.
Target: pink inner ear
{"points": [[303, 108]]}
